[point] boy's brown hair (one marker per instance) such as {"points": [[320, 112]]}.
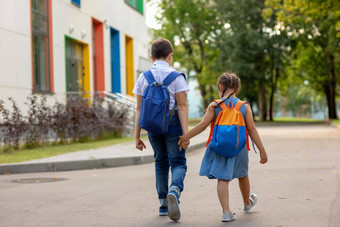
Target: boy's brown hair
{"points": [[161, 48], [229, 81]]}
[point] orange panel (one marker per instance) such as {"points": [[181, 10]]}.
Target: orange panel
{"points": [[98, 56], [230, 117]]}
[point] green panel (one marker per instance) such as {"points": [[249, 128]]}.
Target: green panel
{"points": [[140, 6], [137, 4]]}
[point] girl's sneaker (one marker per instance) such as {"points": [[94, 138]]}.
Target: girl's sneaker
{"points": [[253, 201], [228, 217]]}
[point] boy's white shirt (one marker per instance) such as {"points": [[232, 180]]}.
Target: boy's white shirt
{"points": [[160, 70]]}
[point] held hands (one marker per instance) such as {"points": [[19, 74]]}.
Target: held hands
{"points": [[183, 143], [140, 144]]}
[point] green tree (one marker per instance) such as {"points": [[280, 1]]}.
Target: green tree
{"points": [[193, 25], [315, 25], [254, 47]]}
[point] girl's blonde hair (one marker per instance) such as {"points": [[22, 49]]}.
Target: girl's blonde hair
{"points": [[229, 81]]}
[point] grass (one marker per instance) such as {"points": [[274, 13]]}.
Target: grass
{"points": [[337, 122], [281, 120], [43, 152], [194, 121], [291, 120]]}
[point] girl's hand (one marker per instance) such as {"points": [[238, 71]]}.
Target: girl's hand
{"points": [[264, 157], [183, 143]]}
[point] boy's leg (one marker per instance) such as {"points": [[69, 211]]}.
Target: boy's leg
{"points": [[176, 157], [245, 189], [178, 167], [161, 166]]}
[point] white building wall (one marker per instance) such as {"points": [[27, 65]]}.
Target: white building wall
{"points": [[15, 41], [15, 50]]}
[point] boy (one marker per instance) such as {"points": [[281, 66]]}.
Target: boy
{"points": [[165, 146]]}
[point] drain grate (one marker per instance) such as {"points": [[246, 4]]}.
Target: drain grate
{"points": [[38, 180]]}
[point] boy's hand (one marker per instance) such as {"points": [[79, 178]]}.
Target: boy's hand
{"points": [[264, 157], [140, 144], [183, 143]]}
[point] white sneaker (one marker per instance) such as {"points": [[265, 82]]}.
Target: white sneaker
{"points": [[253, 201], [228, 217]]}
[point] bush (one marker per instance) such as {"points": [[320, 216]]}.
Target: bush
{"points": [[12, 126], [75, 121]]}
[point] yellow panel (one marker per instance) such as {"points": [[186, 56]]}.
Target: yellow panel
{"points": [[86, 61], [129, 65]]}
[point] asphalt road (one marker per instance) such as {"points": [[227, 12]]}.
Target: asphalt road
{"points": [[299, 186]]}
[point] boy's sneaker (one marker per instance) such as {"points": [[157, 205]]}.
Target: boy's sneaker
{"points": [[253, 201], [173, 206], [163, 211], [228, 217]]}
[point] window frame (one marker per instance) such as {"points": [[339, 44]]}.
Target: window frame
{"points": [[38, 34]]}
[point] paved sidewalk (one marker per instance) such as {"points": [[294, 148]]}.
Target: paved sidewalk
{"points": [[110, 156], [299, 186]]}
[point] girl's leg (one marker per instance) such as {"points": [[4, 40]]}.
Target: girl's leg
{"points": [[245, 189], [223, 194]]}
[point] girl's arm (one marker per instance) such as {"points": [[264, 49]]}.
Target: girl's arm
{"points": [[255, 135], [200, 127]]}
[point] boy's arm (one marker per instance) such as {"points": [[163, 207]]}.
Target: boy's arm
{"points": [[200, 127], [182, 108], [139, 143], [253, 133]]}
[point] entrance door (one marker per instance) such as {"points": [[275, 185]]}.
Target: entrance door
{"points": [[98, 55], [115, 61], [129, 65], [74, 66]]}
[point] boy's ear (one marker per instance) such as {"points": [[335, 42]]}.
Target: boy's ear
{"points": [[152, 59], [170, 56]]}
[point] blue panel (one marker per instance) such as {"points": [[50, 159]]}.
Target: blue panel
{"points": [[76, 2], [115, 61]]}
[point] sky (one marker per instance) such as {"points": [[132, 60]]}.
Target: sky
{"points": [[150, 13]]}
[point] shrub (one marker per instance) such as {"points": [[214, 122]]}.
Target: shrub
{"points": [[75, 121], [13, 126]]}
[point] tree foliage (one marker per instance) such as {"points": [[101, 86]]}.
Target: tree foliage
{"points": [[315, 25], [193, 26], [265, 42]]}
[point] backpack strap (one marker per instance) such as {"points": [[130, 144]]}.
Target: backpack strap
{"points": [[221, 103], [171, 77], [239, 104], [149, 77]]}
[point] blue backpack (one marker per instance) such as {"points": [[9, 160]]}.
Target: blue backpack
{"points": [[154, 113]]}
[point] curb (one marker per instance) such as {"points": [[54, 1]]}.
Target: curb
{"points": [[81, 164]]}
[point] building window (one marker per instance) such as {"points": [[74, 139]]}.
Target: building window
{"points": [[41, 46], [76, 2], [137, 4]]}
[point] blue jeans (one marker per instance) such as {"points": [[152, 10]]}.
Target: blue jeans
{"points": [[167, 154]]}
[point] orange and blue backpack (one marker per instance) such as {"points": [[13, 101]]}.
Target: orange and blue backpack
{"points": [[228, 133]]}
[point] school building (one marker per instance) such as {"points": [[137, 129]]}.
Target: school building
{"points": [[63, 46]]}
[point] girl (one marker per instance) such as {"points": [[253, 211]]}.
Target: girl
{"points": [[222, 168]]}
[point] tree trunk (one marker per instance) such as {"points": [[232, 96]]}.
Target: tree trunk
{"points": [[329, 88], [275, 76], [262, 102], [204, 93]]}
